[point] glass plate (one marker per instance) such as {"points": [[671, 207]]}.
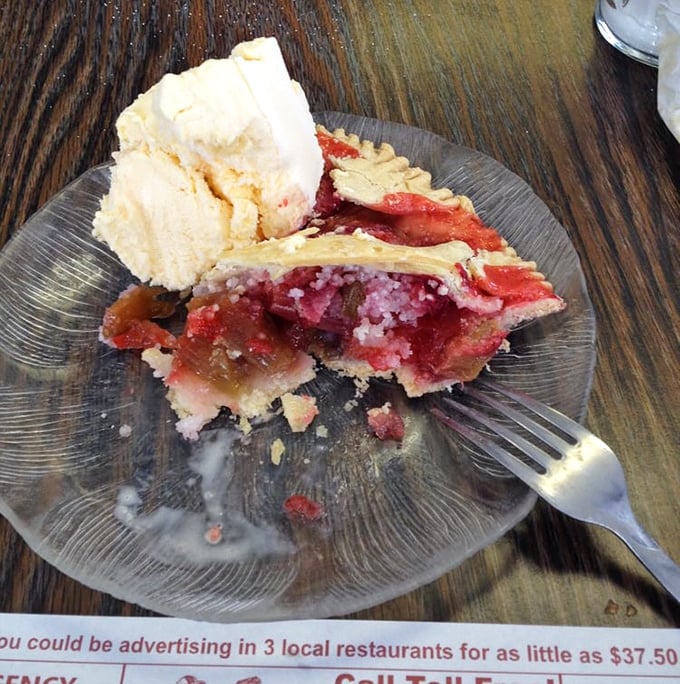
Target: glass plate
{"points": [[97, 481]]}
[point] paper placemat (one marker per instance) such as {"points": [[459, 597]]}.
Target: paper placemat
{"points": [[58, 649]]}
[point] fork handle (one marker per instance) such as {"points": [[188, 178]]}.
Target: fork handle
{"points": [[651, 555]]}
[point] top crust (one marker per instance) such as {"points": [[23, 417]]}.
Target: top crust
{"points": [[366, 180], [379, 171]]}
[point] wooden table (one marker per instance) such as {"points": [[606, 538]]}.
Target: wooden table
{"points": [[529, 83]]}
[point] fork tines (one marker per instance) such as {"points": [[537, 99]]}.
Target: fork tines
{"points": [[472, 418]]}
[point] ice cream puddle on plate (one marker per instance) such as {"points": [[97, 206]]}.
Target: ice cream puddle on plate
{"points": [[221, 533]]}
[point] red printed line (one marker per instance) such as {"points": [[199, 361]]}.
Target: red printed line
{"points": [[576, 677], [355, 667], [257, 668]]}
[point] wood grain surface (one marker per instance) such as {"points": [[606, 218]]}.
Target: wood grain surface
{"points": [[529, 83]]}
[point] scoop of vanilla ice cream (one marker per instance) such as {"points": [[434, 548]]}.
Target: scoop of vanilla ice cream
{"points": [[212, 159]]}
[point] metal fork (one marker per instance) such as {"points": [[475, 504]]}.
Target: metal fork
{"points": [[582, 478]]}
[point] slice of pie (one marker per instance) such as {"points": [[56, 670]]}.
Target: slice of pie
{"points": [[389, 278]]}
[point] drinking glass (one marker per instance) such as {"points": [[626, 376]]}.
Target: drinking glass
{"points": [[631, 26]]}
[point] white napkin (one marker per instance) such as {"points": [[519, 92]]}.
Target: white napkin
{"points": [[668, 92]]}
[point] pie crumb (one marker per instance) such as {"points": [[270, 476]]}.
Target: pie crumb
{"points": [[361, 385], [299, 410], [277, 450], [386, 422], [244, 424]]}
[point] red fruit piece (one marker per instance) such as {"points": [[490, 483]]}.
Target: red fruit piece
{"points": [[143, 335], [300, 507], [386, 422], [127, 322]]}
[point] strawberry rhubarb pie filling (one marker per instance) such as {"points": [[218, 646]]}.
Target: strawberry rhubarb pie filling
{"points": [[385, 277]]}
